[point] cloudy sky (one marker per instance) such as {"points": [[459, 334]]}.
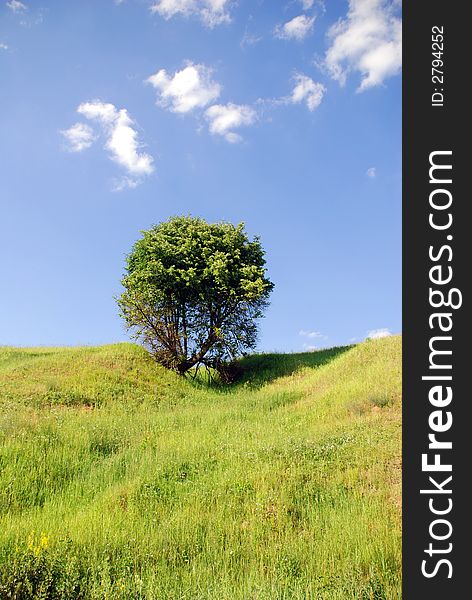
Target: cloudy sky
{"points": [[285, 114]]}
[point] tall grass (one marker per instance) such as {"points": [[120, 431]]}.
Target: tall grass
{"points": [[120, 480]]}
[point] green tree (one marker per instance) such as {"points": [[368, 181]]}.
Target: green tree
{"points": [[193, 292]]}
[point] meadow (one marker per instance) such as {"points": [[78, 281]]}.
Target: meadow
{"points": [[121, 480]]}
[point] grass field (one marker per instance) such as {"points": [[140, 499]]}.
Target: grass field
{"points": [[120, 480]]}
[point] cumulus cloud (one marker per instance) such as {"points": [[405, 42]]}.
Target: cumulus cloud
{"points": [[368, 40], [16, 6], [296, 29], [124, 146], [104, 112], [193, 88], [210, 12], [375, 334], [121, 139], [190, 88], [371, 172], [306, 90], [79, 137], [223, 118], [3, 46]]}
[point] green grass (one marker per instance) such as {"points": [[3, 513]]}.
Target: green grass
{"points": [[120, 480]]}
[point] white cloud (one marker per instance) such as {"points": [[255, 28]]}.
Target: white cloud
{"points": [[307, 4], [306, 90], [105, 112], [371, 172], [3, 46], [249, 39], [121, 139], [296, 29], [194, 88], [368, 40], [210, 12], [223, 118], [190, 88], [309, 348], [124, 183], [124, 146], [16, 6], [375, 334], [79, 137], [311, 334]]}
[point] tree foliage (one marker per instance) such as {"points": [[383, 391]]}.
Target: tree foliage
{"points": [[193, 292]]}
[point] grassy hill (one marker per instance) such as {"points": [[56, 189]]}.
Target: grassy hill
{"points": [[119, 479]]}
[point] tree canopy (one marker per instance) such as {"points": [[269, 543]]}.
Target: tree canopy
{"points": [[193, 292]]}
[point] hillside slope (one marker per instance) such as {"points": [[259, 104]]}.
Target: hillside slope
{"points": [[119, 479]]}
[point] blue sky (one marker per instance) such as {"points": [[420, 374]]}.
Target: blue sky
{"points": [[116, 115]]}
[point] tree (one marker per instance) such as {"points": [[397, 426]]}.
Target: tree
{"points": [[193, 292]]}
